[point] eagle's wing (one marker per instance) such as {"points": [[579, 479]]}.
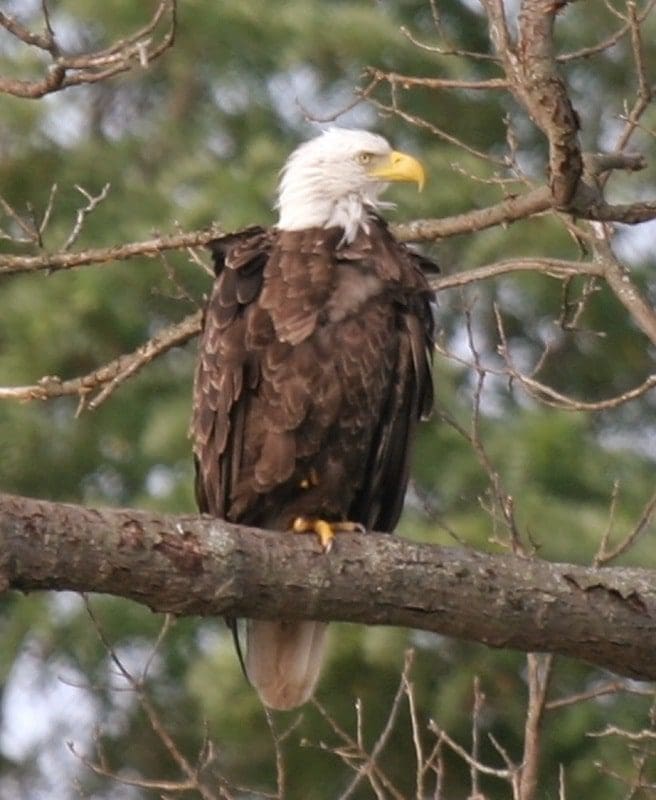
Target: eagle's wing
{"points": [[263, 399], [223, 363], [410, 392]]}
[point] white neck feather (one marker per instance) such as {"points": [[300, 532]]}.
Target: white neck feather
{"points": [[349, 212], [310, 198]]}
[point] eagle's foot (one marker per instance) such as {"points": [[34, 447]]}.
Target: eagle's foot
{"points": [[325, 530]]}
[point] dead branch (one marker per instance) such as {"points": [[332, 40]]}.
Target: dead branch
{"points": [[536, 201], [554, 267], [497, 772], [420, 122]]}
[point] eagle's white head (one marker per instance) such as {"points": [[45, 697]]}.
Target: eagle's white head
{"points": [[336, 179]]}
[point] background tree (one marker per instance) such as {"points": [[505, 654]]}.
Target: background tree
{"points": [[546, 431]]}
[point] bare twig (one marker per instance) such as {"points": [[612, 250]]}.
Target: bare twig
{"points": [[83, 213], [539, 674], [448, 50], [606, 555], [610, 41], [416, 732], [191, 773], [369, 767], [634, 736], [106, 379], [601, 690], [30, 235], [551, 397], [505, 774], [70, 70], [475, 749], [103, 255], [440, 133], [409, 81]]}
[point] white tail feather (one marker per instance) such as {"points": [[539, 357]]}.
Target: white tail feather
{"points": [[283, 660]]}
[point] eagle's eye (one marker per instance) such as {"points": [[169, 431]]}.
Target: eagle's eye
{"points": [[364, 158]]}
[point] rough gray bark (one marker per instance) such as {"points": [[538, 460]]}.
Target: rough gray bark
{"points": [[197, 565]]}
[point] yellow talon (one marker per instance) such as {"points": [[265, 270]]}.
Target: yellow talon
{"points": [[325, 534], [325, 530]]}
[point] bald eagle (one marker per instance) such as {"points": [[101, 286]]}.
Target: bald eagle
{"points": [[314, 368]]}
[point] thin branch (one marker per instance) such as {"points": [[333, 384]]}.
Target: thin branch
{"points": [[27, 228], [605, 555], [551, 397], [644, 92], [440, 133], [634, 736], [106, 379], [553, 267], [610, 41], [83, 213], [408, 81], [159, 729], [53, 262], [416, 732], [609, 687], [475, 748], [71, 70], [619, 280], [539, 674], [504, 774], [98, 768], [369, 764], [43, 41], [448, 50]]}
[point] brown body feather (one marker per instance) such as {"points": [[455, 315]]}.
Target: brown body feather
{"points": [[314, 368]]}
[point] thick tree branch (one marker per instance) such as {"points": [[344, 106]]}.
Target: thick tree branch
{"points": [[539, 86], [196, 565], [531, 68]]}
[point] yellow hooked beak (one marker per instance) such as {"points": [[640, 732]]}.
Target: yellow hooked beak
{"points": [[400, 167]]}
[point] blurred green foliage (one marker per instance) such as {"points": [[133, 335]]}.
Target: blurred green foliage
{"points": [[199, 137]]}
